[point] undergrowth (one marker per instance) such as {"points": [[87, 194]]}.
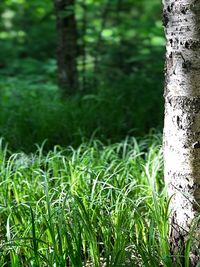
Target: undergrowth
{"points": [[32, 109], [95, 206]]}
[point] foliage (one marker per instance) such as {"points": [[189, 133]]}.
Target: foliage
{"points": [[92, 204], [32, 111], [120, 66], [88, 206]]}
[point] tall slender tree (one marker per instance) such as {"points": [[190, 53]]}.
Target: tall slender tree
{"points": [[182, 121], [67, 45]]}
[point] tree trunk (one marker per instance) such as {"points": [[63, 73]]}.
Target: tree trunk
{"points": [[98, 46], [67, 49], [181, 19], [83, 45]]}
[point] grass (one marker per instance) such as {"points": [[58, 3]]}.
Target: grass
{"points": [[95, 205]]}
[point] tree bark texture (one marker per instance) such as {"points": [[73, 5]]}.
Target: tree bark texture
{"points": [[67, 45], [181, 19]]}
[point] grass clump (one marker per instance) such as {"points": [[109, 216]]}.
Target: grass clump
{"points": [[95, 205]]}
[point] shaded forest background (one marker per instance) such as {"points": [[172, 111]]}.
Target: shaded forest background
{"points": [[120, 55]]}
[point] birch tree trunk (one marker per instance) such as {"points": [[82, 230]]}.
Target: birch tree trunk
{"points": [[181, 19], [67, 47]]}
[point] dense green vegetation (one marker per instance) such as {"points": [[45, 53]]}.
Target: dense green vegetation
{"points": [[31, 111], [94, 204], [81, 179], [120, 64]]}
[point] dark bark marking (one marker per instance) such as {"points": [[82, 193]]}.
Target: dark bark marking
{"points": [[186, 44], [187, 65], [188, 104], [168, 99], [192, 44], [178, 122], [184, 11], [170, 7], [165, 18]]}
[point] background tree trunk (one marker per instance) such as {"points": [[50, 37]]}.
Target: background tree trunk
{"points": [[84, 26], [67, 49], [181, 19], [99, 42]]}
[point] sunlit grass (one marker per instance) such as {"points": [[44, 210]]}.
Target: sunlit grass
{"points": [[94, 206]]}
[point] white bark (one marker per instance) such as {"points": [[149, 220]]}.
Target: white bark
{"points": [[181, 19]]}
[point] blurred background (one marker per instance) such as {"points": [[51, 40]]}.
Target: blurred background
{"points": [[75, 70]]}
